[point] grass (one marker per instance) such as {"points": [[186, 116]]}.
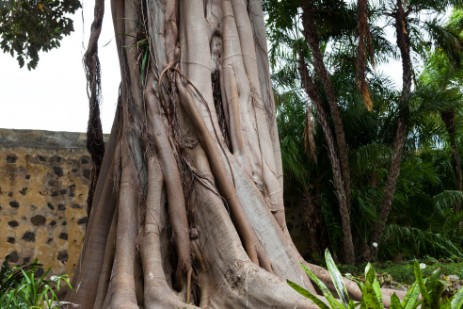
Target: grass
{"points": [[28, 286], [403, 272]]}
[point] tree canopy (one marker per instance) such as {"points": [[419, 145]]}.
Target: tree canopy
{"points": [[30, 26]]}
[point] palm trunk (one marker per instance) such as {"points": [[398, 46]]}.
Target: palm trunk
{"points": [[403, 41], [343, 177], [361, 61], [448, 117], [309, 86], [313, 222]]}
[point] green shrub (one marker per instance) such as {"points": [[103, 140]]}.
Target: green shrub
{"points": [[431, 290], [28, 287]]}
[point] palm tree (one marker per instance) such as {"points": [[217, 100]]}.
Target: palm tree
{"points": [[409, 38], [443, 73], [351, 47], [403, 42]]}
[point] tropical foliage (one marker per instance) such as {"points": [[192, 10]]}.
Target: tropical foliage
{"points": [[423, 293], [401, 185], [29, 287], [30, 26]]}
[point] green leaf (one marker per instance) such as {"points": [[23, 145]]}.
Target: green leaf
{"points": [[307, 294], [457, 300], [395, 302], [143, 66], [410, 300], [371, 290], [337, 278], [421, 284], [436, 290], [370, 275], [326, 292], [378, 294]]}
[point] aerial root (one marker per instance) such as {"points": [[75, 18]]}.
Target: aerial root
{"points": [[233, 280], [264, 261], [235, 128], [107, 264], [173, 184], [202, 278], [153, 239], [223, 179], [188, 285], [255, 250], [86, 276], [123, 287]]}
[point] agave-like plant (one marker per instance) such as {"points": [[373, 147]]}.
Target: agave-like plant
{"points": [[430, 289]]}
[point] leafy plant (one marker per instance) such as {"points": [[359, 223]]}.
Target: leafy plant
{"points": [[431, 290], [28, 287], [30, 26]]}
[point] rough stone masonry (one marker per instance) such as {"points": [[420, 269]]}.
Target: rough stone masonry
{"points": [[44, 179]]}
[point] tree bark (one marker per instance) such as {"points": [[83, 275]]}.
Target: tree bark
{"points": [[313, 222]]}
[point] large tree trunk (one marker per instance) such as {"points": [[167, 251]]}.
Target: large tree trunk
{"points": [[180, 217]]}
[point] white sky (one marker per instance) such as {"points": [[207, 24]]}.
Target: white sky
{"points": [[53, 96]]}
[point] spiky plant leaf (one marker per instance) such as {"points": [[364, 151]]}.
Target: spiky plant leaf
{"points": [[378, 294], [435, 287], [337, 278], [457, 300], [395, 302], [447, 199], [371, 290], [326, 292], [410, 300], [307, 294], [417, 241], [421, 285]]}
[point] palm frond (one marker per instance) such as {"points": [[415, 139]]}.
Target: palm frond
{"points": [[447, 40], [414, 242], [367, 157], [447, 200]]}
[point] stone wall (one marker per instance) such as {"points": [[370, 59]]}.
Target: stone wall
{"points": [[44, 179]]}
